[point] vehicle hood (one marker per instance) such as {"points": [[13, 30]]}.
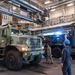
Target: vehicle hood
{"points": [[31, 41]]}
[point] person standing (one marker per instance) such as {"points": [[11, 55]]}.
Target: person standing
{"points": [[49, 54], [66, 58]]}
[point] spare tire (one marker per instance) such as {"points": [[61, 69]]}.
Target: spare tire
{"points": [[57, 52]]}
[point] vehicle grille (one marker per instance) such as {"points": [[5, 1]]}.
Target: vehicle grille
{"points": [[35, 43]]}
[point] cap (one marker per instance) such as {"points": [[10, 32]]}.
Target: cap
{"points": [[66, 42]]}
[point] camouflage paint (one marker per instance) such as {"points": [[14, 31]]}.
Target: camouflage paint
{"points": [[34, 43]]}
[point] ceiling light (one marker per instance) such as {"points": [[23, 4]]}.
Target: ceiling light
{"points": [[48, 34], [71, 4], [58, 33], [53, 10], [47, 2]]}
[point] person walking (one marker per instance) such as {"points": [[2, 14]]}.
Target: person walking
{"points": [[48, 54], [66, 58]]}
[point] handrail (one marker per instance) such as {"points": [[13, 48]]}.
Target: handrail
{"points": [[57, 21]]}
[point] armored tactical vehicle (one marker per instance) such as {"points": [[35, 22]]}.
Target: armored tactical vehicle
{"points": [[17, 47], [56, 39]]}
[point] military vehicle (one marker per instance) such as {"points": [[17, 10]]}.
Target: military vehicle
{"points": [[17, 46], [56, 39]]}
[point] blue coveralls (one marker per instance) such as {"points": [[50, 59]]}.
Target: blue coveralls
{"points": [[66, 69]]}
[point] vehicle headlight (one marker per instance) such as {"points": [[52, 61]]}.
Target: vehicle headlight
{"points": [[22, 48]]}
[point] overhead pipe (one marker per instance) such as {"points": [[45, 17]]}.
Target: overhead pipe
{"points": [[34, 7], [26, 5]]}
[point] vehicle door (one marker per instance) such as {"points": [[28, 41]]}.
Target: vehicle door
{"points": [[3, 37]]}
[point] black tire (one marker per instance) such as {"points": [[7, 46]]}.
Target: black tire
{"points": [[56, 52], [37, 60], [13, 60]]}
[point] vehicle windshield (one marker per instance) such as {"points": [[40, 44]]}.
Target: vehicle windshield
{"points": [[15, 31], [55, 39]]}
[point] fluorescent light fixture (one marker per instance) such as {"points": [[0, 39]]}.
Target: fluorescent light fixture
{"points": [[49, 33], [58, 33], [71, 4], [53, 10], [52, 33], [47, 2]]}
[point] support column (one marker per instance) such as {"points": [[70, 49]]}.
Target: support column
{"points": [[74, 8], [63, 10]]}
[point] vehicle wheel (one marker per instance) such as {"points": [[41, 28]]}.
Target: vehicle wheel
{"points": [[56, 52], [13, 60], [36, 60]]}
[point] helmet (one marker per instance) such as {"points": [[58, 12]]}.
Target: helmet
{"points": [[67, 42]]}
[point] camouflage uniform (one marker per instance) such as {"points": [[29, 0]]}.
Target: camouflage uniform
{"points": [[48, 53]]}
